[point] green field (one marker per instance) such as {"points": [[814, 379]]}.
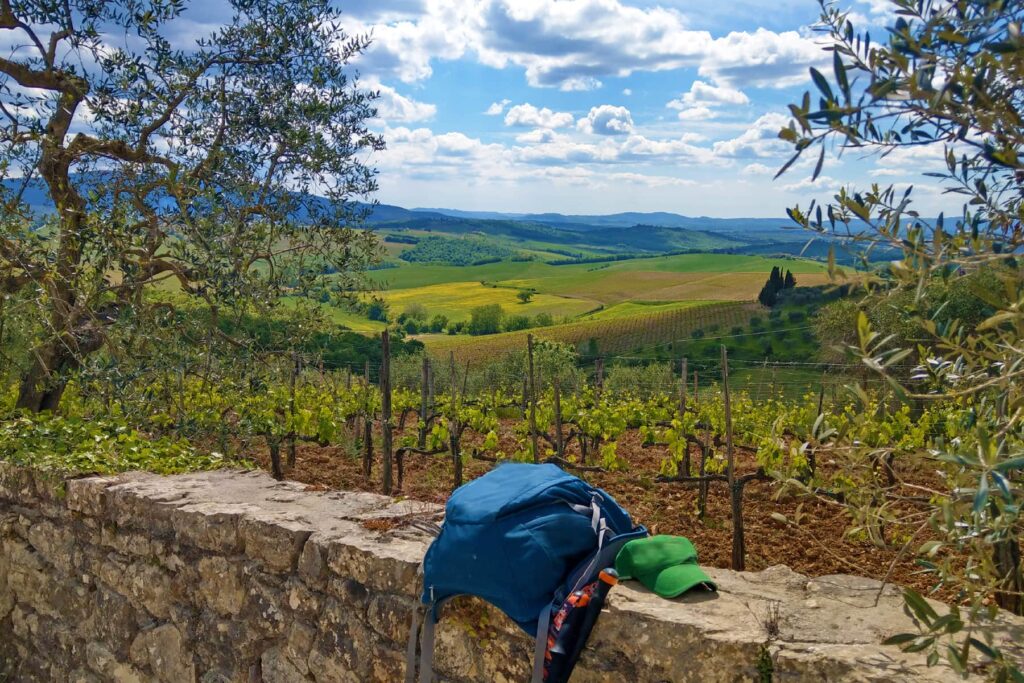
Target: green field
{"points": [[574, 289], [621, 334], [455, 300], [638, 306]]}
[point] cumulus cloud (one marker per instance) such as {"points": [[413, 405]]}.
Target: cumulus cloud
{"points": [[394, 107], [422, 147], [573, 44], [536, 136], [758, 169], [627, 92], [529, 116], [697, 114], [762, 59], [497, 108], [823, 183], [760, 140], [702, 93], [607, 120]]}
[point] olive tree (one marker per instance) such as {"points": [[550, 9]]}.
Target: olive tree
{"points": [[948, 78], [225, 166]]}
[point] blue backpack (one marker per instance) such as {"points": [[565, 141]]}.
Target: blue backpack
{"points": [[522, 537]]}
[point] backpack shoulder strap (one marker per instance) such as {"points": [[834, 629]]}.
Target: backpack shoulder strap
{"points": [[540, 646], [429, 614]]}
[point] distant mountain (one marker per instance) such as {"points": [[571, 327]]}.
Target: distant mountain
{"points": [[36, 195], [636, 239], [614, 234], [626, 219]]}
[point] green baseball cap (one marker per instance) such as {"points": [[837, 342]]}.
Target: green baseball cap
{"points": [[665, 564]]}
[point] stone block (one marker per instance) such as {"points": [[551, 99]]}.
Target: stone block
{"points": [[277, 668], [166, 654], [276, 542], [89, 496], [221, 585], [208, 526]]}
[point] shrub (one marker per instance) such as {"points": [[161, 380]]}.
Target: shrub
{"points": [[486, 319]]}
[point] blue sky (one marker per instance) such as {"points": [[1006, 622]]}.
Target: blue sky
{"points": [[597, 106]]}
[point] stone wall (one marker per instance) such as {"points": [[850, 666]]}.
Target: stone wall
{"points": [[231, 576]]}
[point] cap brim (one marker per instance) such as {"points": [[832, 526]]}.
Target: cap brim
{"points": [[676, 580]]}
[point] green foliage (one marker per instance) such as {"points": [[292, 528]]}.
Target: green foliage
{"points": [[468, 251], [948, 77], [181, 174], [414, 311], [517, 322], [486, 319], [776, 283], [75, 445], [377, 309], [438, 323]]}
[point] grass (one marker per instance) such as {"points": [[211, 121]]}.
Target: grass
{"points": [[456, 299], [356, 322], [631, 308], [603, 336], [572, 290]]}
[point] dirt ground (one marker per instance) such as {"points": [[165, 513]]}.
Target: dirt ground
{"points": [[819, 545]]}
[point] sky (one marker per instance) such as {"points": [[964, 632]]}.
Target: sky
{"points": [[598, 106]]}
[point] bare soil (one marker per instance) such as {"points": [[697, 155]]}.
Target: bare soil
{"points": [[818, 545]]}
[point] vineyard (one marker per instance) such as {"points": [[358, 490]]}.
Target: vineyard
{"points": [[676, 444], [605, 336]]}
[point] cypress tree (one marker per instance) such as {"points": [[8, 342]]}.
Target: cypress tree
{"points": [[790, 281]]}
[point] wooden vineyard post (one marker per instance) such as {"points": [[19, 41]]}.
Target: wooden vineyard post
{"points": [[367, 423], [683, 376], [421, 438], [696, 391], [385, 410], [702, 484], [292, 380], [533, 399], [559, 443], [761, 384], [275, 458], [682, 387], [812, 453], [735, 488], [599, 377], [526, 397], [454, 429]]}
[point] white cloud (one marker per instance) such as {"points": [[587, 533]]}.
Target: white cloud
{"points": [[536, 136], [497, 108], [697, 114], [640, 148], [606, 120], [702, 93], [413, 147], [573, 44], [702, 101], [758, 169], [760, 140], [529, 116], [823, 183], [394, 107], [627, 92], [579, 84], [560, 150], [762, 59]]}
